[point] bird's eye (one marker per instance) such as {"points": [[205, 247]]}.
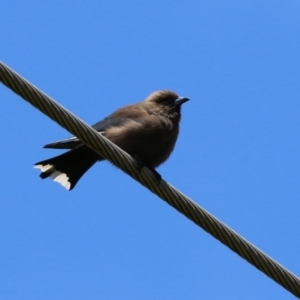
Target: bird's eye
{"points": [[166, 100]]}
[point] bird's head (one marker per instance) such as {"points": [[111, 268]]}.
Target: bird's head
{"points": [[167, 103]]}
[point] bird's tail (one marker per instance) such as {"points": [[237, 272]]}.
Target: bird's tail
{"points": [[68, 167]]}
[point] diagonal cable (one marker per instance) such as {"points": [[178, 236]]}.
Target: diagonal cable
{"points": [[165, 191]]}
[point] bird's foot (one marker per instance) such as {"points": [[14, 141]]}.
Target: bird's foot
{"points": [[140, 165]]}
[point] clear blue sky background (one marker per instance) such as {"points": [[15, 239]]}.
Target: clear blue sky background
{"points": [[237, 154]]}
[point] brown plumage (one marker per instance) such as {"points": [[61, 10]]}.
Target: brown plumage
{"points": [[147, 130]]}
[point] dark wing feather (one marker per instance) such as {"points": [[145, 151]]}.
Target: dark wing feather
{"points": [[72, 142]]}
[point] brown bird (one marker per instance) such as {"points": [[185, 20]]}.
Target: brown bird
{"points": [[147, 130]]}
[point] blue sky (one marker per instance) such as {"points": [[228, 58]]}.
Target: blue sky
{"points": [[237, 155]]}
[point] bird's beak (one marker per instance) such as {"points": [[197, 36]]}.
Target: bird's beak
{"points": [[180, 100]]}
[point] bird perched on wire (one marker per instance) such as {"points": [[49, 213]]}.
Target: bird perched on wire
{"points": [[147, 130]]}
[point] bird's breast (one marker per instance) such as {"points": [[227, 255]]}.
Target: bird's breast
{"points": [[152, 139]]}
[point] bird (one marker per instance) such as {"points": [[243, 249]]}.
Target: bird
{"points": [[147, 130]]}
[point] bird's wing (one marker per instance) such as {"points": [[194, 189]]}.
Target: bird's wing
{"points": [[73, 141]]}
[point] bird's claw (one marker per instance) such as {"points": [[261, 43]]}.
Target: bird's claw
{"points": [[140, 165]]}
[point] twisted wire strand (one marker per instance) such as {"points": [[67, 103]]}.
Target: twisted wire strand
{"points": [[165, 191]]}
